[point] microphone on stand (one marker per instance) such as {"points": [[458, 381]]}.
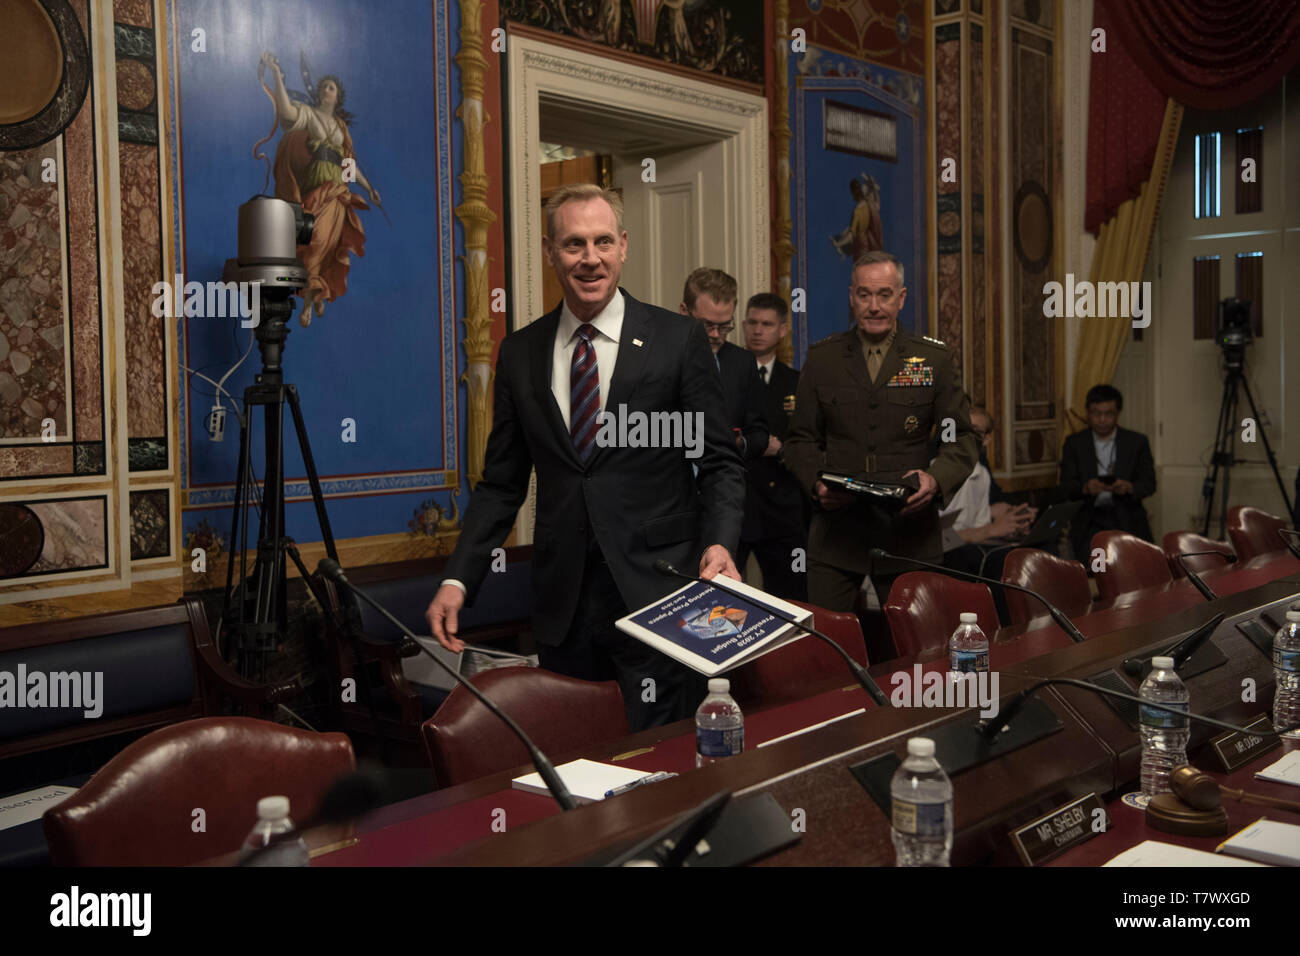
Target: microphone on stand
{"points": [[1180, 652], [1194, 577], [880, 554], [860, 672], [332, 570], [990, 727]]}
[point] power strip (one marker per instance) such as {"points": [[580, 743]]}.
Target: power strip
{"points": [[217, 423]]}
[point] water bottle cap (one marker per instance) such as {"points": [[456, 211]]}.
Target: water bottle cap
{"points": [[1293, 616], [719, 685], [920, 747], [969, 617], [1162, 663], [272, 808]]}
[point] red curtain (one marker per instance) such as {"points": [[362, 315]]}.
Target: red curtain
{"points": [[1209, 54], [1124, 116]]}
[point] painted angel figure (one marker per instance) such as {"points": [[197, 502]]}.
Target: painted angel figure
{"points": [[865, 232], [314, 163]]}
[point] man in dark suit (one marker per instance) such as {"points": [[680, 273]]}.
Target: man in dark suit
{"points": [[604, 514], [1111, 469], [709, 296], [867, 401], [776, 509]]}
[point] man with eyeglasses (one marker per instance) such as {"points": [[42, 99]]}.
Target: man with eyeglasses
{"points": [[709, 296], [867, 401]]}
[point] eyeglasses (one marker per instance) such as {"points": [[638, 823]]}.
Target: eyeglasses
{"points": [[722, 328]]}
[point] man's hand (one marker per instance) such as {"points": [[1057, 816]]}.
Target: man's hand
{"points": [[717, 560], [442, 616], [929, 488], [773, 447], [1094, 487], [832, 498], [1122, 487], [1006, 525]]}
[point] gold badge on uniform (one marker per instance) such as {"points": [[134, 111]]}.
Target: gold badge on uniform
{"points": [[787, 403], [911, 424]]}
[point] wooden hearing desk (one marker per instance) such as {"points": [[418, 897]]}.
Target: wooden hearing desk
{"points": [[843, 826]]}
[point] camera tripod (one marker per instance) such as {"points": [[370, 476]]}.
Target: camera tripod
{"points": [[260, 604], [1224, 456]]}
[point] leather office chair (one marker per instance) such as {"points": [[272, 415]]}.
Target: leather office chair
{"points": [[561, 714], [782, 675], [1064, 583], [1131, 563], [1253, 532], [924, 608], [138, 810], [1183, 542]]}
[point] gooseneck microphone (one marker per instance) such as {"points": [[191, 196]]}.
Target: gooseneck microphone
{"points": [[332, 570], [992, 726], [1065, 624], [1195, 578], [1180, 652], [860, 672], [1291, 539]]}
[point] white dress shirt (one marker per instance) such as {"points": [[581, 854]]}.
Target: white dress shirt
{"points": [[770, 365], [1105, 449], [609, 327], [971, 502]]}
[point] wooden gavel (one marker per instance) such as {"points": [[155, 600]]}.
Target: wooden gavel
{"points": [[1199, 790]]}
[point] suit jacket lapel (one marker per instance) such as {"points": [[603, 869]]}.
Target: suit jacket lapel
{"points": [[542, 360], [892, 363], [856, 362], [1124, 452]]}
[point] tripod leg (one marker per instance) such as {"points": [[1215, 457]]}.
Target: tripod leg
{"points": [[1230, 439], [240, 493], [1212, 478], [313, 479], [1268, 449]]}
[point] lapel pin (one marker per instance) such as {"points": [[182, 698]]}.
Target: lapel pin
{"points": [[636, 342]]}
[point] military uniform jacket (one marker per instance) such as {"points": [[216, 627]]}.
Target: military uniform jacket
{"points": [[845, 423], [775, 506]]}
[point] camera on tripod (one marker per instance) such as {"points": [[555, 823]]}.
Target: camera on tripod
{"points": [[270, 232], [1233, 331]]}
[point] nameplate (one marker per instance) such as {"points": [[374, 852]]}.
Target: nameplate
{"points": [[1049, 836], [1235, 750]]}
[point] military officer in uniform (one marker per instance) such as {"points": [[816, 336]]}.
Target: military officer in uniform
{"points": [[866, 403]]}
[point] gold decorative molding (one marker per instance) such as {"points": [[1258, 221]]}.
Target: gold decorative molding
{"points": [[475, 217], [782, 244]]}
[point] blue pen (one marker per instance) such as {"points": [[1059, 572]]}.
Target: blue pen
{"points": [[653, 778]]}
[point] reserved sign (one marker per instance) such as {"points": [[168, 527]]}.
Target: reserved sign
{"points": [[1235, 750], [1049, 836]]}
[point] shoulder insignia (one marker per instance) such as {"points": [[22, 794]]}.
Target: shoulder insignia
{"points": [[835, 336], [938, 342]]}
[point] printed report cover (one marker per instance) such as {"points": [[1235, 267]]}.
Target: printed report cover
{"points": [[711, 631]]}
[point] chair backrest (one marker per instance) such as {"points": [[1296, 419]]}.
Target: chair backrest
{"points": [[1175, 543], [1064, 583], [561, 714], [924, 608], [1253, 532], [781, 675], [138, 810], [1130, 563]]}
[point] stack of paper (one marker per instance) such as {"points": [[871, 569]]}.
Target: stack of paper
{"points": [[1155, 853], [1286, 770], [587, 780], [1267, 841]]}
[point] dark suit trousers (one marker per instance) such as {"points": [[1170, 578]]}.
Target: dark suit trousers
{"points": [[595, 650], [774, 560], [836, 588]]}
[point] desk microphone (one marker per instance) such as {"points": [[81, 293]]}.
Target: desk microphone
{"points": [[880, 554], [1180, 652], [860, 672], [992, 726], [1195, 578], [332, 570]]}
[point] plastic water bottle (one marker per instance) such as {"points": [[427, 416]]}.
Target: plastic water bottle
{"points": [[968, 648], [921, 802], [273, 820], [719, 725], [1164, 734], [1286, 674]]}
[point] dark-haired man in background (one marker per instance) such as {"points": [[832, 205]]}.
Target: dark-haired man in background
{"points": [[1111, 469], [776, 509]]}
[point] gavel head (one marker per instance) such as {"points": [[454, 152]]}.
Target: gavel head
{"points": [[1195, 788]]}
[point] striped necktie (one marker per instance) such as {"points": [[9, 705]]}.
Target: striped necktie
{"points": [[584, 393]]}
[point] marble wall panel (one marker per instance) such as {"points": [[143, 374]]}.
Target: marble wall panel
{"points": [[75, 534]]}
